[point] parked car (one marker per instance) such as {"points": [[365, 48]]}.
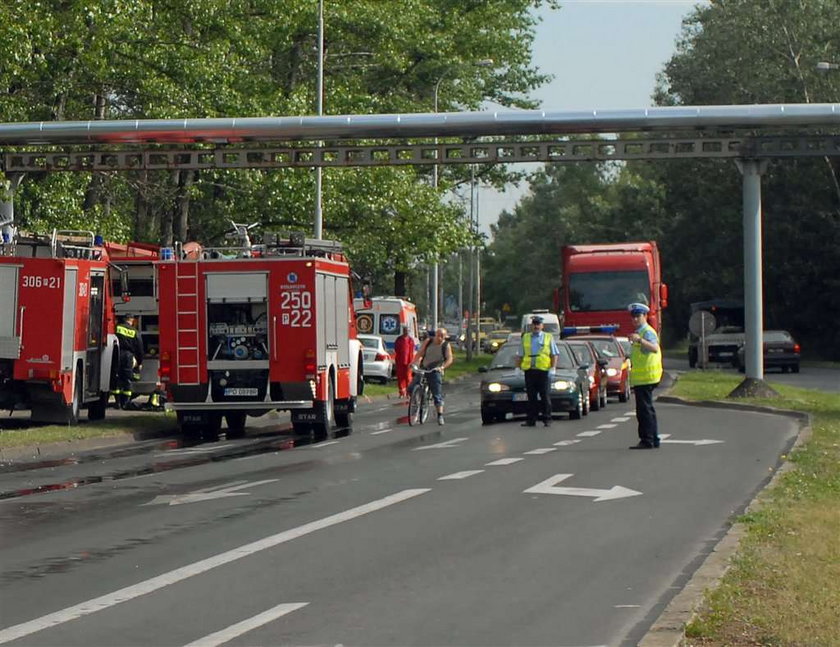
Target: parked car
{"points": [[377, 362], [503, 388], [494, 340], [596, 369], [618, 368], [780, 351]]}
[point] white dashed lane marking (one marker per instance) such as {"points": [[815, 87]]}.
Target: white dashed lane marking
{"points": [[541, 450], [586, 434], [505, 461], [460, 475]]}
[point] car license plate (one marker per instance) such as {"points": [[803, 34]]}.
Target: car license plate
{"points": [[239, 391], [520, 397], [775, 350], [725, 354]]}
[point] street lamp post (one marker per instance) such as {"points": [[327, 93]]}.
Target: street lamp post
{"points": [[319, 218], [485, 62]]}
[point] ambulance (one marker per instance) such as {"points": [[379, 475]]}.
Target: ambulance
{"points": [[386, 316]]}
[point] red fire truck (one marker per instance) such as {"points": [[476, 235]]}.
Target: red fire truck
{"points": [[247, 330], [57, 341], [599, 281]]}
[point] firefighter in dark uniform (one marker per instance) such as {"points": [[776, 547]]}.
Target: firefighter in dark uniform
{"points": [[131, 359]]}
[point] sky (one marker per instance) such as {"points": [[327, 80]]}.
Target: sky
{"points": [[604, 54]]}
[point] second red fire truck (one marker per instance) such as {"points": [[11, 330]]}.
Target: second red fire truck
{"points": [[247, 330]]}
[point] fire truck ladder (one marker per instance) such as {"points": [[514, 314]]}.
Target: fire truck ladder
{"points": [[186, 323]]}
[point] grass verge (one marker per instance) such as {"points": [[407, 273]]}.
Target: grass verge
{"points": [[781, 588], [146, 425]]}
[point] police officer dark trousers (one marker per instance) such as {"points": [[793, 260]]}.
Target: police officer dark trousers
{"points": [[537, 356], [131, 360], [645, 373]]}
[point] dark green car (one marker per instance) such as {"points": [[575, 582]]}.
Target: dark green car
{"points": [[503, 386]]}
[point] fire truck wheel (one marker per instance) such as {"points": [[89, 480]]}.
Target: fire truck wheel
{"points": [[344, 421], [211, 429], [235, 424], [75, 406], [96, 410], [326, 415]]}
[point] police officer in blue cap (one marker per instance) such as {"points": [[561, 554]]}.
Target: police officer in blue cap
{"points": [[645, 373], [537, 357]]}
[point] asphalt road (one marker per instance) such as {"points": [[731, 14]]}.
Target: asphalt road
{"points": [[395, 535]]}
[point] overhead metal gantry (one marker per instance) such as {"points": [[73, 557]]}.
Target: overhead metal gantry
{"points": [[747, 134], [256, 156]]}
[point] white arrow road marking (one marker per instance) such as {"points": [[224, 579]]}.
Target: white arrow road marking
{"points": [[549, 486], [228, 634], [505, 461], [564, 443], [460, 475], [197, 568], [622, 419], [541, 450], [586, 434], [207, 494], [447, 444]]}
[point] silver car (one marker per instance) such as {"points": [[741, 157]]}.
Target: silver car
{"points": [[378, 363]]}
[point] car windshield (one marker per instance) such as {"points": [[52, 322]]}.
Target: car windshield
{"points": [[564, 357], [777, 335], [582, 353], [606, 347], [595, 291]]}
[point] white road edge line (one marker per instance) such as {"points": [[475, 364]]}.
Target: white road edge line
{"points": [[196, 568], [228, 634]]}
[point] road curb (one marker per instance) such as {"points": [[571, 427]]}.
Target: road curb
{"points": [[668, 630]]}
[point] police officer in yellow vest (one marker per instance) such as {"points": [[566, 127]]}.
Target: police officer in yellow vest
{"points": [[537, 357], [645, 373], [131, 359]]}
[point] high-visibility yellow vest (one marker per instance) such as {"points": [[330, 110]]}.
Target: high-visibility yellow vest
{"points": [[543, 358], [125, 331], [645, 367]]}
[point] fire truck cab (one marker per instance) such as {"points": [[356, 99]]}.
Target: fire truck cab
{"points": [[244, 331], [57, 341]]}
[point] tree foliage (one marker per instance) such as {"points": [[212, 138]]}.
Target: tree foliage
{"points": [[114, 59], [731, 52]]}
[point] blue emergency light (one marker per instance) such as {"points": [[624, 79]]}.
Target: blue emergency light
{"points": [[603, 329]]}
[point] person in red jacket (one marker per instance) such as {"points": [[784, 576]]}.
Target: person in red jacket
{"points": [[403, 354]]}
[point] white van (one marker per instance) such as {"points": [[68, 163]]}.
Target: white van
{"points": [[386, 317], [551, 322]]}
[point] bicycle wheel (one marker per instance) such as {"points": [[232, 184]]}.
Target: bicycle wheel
{"points": [[427, 403], [415, 406]]}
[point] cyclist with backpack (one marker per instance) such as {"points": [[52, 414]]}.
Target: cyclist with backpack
{"points": [[435, 354]]}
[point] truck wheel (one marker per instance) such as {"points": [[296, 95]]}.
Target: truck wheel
{"points": [[211, 429], [75, 406], [344, 421], [235, 424], [326, 411], [96, 410]]}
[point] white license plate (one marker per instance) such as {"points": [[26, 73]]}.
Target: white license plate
{"points": [[725, 354], [520, 397], [238, 391], [775, 350]]}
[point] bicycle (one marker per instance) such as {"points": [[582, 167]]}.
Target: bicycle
{"points": [[420, 402]]}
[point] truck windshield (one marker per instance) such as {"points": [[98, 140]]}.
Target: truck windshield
{"points": [[595, 291]]}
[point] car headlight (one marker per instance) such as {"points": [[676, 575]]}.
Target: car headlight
{"points": [[612, 372], [496, 387], [562, 385]]}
